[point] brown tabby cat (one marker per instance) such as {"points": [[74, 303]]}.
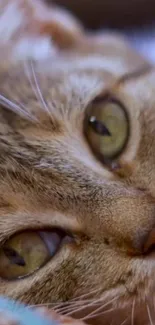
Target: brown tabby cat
{"points": [[77, 169]]}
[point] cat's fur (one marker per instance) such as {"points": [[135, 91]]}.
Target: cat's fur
{"points": [[50, 177]]}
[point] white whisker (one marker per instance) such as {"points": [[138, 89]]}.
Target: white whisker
{"points": [[15, 108], [56, 304], [49, 304], [38, 88], [124, 321], [31, 75], [87, 294], [98, 315], [81, 308], [92, 304], [98, 309], [72, 306], [72, 303], [149, 314], [59, 304]]}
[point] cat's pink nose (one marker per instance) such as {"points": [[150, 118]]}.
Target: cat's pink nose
{"points": [[150, 242]]}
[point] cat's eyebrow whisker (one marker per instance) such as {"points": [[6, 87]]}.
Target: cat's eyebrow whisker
{"points": [[99, 309], [16, 108], [21, 105], [38, 89], [31, 75], [32, 116]]}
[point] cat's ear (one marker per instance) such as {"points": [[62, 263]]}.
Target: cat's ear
{"points": [[64, 29], [115, 49], [29, 28]]}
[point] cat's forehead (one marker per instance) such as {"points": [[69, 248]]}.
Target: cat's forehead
{"points": [[68, 75], [140, 85], [58, 85], [69, 83]]}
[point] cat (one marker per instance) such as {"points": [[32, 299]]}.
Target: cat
{"points": [[77, 168]]}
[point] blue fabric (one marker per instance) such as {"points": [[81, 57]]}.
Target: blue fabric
{"points": [[22, 314]]}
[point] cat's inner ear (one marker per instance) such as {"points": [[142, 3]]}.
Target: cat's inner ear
{"points": [[35, 29], [60, 25]]}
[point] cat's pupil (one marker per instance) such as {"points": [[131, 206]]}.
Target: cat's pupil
{"points": [[13, 256], [99, 127]]}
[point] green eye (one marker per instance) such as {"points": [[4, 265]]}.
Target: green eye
{"points": [[27, 252], [106, 128]]}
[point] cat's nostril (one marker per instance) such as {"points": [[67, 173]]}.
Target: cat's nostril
{"points": [[149, 245]]}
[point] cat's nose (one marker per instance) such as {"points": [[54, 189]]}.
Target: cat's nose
{"points": [[143, 245], [149, 243]]}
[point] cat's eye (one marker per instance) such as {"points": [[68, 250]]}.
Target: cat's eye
{"points": [[106, 128], [27, 252]]}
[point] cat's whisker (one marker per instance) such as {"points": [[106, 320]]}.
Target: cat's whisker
{"points": [[14, 107], [38, 89], [21, 105], [66, 311], [149, 314], [44, 305], [71, 301], [33, 117], [124, 321], [132, 312], [98, 309], [81, 308], [52, 304], [98, 314], [72, 305], [90, 305], [30, 72], [87, 294]]}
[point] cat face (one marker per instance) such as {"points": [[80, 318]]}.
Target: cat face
{"points": [[75, 221], [77, 196]]}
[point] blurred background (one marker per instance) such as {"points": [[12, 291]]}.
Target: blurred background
{"points": [[113, 13], [135, 18]]}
